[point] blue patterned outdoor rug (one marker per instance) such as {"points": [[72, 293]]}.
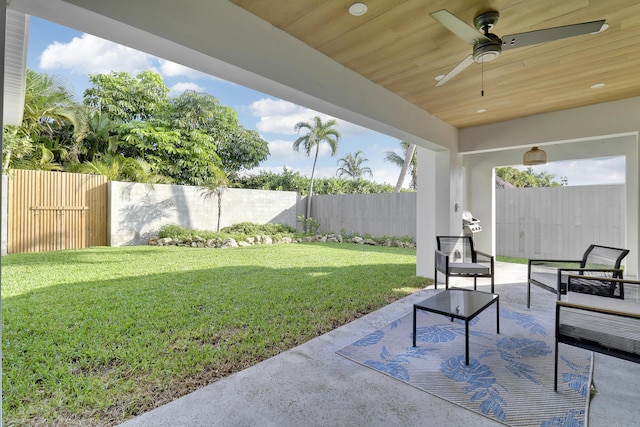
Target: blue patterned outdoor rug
{"points": [[509, 377]]}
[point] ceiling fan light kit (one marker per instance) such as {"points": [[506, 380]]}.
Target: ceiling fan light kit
{"points": [[535, 156], [488, 46]]}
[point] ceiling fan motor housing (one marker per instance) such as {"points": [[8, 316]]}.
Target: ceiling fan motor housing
{"points": [[487, 49], [490, 47]]}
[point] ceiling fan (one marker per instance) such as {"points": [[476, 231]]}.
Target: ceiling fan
{"points": [[488, 46]]}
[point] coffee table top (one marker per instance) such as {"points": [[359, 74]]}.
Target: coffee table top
{"points": [[460, 303]]}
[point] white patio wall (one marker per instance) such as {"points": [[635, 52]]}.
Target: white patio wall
{"points": [[137, 211]]}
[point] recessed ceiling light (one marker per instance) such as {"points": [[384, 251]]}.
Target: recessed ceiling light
{"points": [[439, 77], [358, 9], [481, 110], [597, 85]]}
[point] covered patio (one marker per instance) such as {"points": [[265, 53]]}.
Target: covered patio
{"points": [[377, 71]]}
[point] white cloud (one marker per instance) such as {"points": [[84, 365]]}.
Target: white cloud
{"points": [[270, 107], [172, 69], [178, 88], [281, 151], [88, 54], [389, 176], [280, 117], [276, 116]]}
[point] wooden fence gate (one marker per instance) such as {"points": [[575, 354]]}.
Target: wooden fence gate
{"points": [[50, 211]]}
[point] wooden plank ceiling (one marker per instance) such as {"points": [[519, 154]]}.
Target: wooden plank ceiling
{"points": [[398, 45]]}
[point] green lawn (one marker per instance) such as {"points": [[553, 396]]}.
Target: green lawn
{"points": [[96, 336]]}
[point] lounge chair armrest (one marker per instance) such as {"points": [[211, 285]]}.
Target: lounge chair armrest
{"points": [[572, 277], [594, 272], [442, 262], [598, 304], [549, 267], [556, 263]]}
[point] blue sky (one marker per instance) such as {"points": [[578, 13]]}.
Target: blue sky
{"points": [[72, 55]]}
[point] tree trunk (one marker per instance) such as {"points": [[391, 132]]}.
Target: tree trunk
{"points": [[219, 194], [313, 171], [405, 166]]}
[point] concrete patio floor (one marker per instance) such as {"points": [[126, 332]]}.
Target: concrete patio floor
{"points": [[310, 385]]}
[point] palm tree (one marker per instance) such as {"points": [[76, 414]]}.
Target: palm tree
{"points": [[318, 132], [100, 137], [117, 167], [351, 165], [49, 115], [47, 104], [406, 163]]}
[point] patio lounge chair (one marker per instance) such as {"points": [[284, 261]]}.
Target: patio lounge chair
{"points": [[597, 261], [456, 256], [597, 322]]}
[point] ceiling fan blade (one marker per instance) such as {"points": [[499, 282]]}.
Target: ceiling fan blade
{"points": [[458, 27], [456, 70], [513, 41]]}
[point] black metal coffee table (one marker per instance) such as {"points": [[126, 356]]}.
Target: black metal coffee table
{"points": [[463, 304]]}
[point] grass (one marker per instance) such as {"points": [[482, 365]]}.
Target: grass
{"points": [[96, 336], [512, 260]]}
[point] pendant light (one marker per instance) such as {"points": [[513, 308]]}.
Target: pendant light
{"points": [[535, 156]]}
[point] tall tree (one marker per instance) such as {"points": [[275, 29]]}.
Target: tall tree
{"points": [[351, 166], [407, 162], [526, 178], [237, 147], [191, 138], [317, 133], [126, 98]]}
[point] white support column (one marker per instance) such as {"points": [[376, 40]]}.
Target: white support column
{"points": [[433, 205]]}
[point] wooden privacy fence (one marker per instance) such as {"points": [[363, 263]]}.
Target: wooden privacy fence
{"points": [[51, 211]]}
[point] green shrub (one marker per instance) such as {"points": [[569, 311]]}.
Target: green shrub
{"points": [[174, 231], [252, 229], [238, 231]]}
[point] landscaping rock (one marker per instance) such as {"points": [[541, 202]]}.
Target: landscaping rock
{"points": [[165, 241], [229, 243], [200, 242]]}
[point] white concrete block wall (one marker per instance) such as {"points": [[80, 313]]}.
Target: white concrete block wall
{"points": [[384, 214], [137, 211]]}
